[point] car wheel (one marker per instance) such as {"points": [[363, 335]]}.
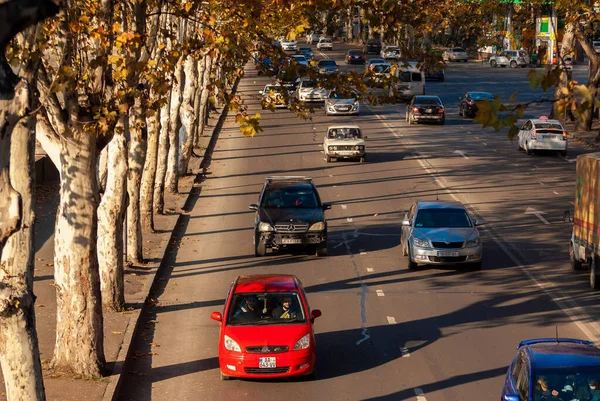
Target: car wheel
{"points": [[329, 158], [493, 63], [322, 250], [466, 61], [513, 64], [594, 281], [563, 153], [260, 248], [411, 265], [404, 249], [363, 159], [575, 264], [443, 122], [519, 148], [475, 266], [224, 377], [527, 151]]}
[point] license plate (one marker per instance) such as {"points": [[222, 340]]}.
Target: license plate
{"points": [[447, 253], [347, 153], [291, 241], [344, 108], [428, 110], [267, 362]]}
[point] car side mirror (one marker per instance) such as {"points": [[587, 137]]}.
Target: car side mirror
{"points": [[253, 206], [511, 397], [406, 222], [216, 316], [479, 222], [326, 206], [315, 314], [260, 92]]}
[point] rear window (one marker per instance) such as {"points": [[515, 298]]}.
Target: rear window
{"points": [[482, 96], [327, 62], [458, 50], [258, 309], [355, 52], [428, 100], [549, 125], [406, 76]]}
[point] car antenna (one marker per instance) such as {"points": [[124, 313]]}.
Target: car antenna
{"points": [[556, 327]]}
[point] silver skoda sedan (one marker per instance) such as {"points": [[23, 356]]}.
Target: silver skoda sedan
{"points": [[440, 233]]}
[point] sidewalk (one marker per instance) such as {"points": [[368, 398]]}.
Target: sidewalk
{"points": [[587, 138], [119, 327]]}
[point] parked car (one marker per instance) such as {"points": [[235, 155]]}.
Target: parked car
{"points": [[390, 52], [313, 38], [344, 142], [468, 102], [440, 233], [425, 109], [553, 369], [339, 103], [307, 52], [266, 328], [542, 134], [512, 58], [289, 213], [354, 57], [373, 62], [327, 66], [309, 91], [455, 54], [273, 93], [325, 44], [289, 45], [372, 46]]}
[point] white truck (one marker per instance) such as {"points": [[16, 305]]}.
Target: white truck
{"points": [[585, 240]]}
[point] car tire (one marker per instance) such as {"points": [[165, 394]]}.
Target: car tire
{"points": [[224, 377], [475, 266], [363, 159], [411, 265], [594, 270], [260, 248], [519, 148], [443, 122], [404, 249], [575, 264], [563, 153], [513, 64], [527, 151], [321, 250], [493, 63], [328, 158]]}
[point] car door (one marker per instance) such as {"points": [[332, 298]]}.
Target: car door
{"points": [[523, 379], [406, 230], [326, 142], [524, 133]]}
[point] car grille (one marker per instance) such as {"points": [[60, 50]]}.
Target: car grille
{"points": [[267, 371], [343, 107], [345, 147], [445, 245], [291, 227], [267, 349], [447, 259]]}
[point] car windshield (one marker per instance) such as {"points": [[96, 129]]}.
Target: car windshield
{"points": [[442, 218], [309, 84], [381, 68], [572, 383], [339, 96], [290, 197], [344, 133], [299, 57], [481, 96], [274, 88], [325, 41], [377, 61], [327, 63], [428, 101], [259, 309]]}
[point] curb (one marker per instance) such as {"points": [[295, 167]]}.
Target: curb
{"points": [[113, 387]]}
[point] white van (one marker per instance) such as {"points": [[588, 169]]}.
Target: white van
{"points": [[412, 81]]}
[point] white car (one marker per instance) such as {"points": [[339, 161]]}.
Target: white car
{"points": [[512, 58], [373, 62], [390, 52], [338, 103], [309, 91], [313, 38], [455, 54], [325, 44], [542, 134], [289, 45], [344, 142], [273, 94]]}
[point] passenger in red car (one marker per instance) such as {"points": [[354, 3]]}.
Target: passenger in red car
{"points": [[285, 311]]}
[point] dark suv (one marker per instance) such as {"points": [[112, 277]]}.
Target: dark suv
{"points": [[372, 46], [289, 213]]}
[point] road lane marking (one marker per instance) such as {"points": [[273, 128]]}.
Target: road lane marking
{"points": [[538, 214], [460, 152], [494, 150], [419, 393], [541, 183], [380, 293], [568, 160], [577, 314], [404, 352], [370, 269], [485, 144], [344, 207], [555, 193], [349, 219], [391, 320]]}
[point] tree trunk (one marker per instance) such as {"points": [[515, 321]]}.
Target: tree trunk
{"points": [[79, 344], [205, 92], [111, 213], [172, 176], [198, 101], [149, 173], [161, 160], [102, 170], [187, 112], [566, 48], [19, 352], [44, 133], [136, 157]]}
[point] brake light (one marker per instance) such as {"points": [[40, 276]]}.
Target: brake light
{"points": [[454, 54], [534, 135], [441, 110], [564, 136], [416, 110], [470, 102]]}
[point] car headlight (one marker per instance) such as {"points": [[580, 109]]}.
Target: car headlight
{"points": [[262, 226], [359, 147], [302, 343], [320, 226], [473, 241], [421, 243], [231, 345], [333, 148], [355, 103]]}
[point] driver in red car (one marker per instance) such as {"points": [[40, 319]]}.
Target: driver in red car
{"points": [[249, 310]]}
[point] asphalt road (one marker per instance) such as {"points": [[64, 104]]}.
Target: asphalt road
{"points": [[386, 333]]}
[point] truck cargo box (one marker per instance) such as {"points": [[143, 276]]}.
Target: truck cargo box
{"points": [[586, 220]]}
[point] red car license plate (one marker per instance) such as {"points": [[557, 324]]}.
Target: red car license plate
{"points": [[269, 362]]}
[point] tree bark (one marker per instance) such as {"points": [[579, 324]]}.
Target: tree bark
{"points": [[161, 160], [136, 157], [188, 112], [111, 214], [149, 173], [566, 48], [172, 176], [102, 170], [198, 102], [205, 92], [79, 346], [45, 135]]}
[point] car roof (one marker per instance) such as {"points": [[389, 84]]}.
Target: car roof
{"points": [[479, 93], [422, 97], [564, 354], [266, 283], [440, 205], [342, 126], [540, 121]]}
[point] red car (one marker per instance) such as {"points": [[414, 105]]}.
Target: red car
{"points": [[266, 328]]}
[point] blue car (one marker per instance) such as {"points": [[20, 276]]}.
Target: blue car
{"points": [[554, 369]]}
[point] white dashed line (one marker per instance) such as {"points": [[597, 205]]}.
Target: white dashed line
{"points": [[419, 393], [370, 269], [541, 183], [485, 144], [494, 150], [363, 253], [555, 193], [477, 137], [380, 293], [404, 352], [572, 203], [349, 219], [344, 207], [391, 320]]}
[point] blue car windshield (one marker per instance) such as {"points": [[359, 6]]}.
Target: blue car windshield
{"points": [[571, 383], [442, 218]]}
